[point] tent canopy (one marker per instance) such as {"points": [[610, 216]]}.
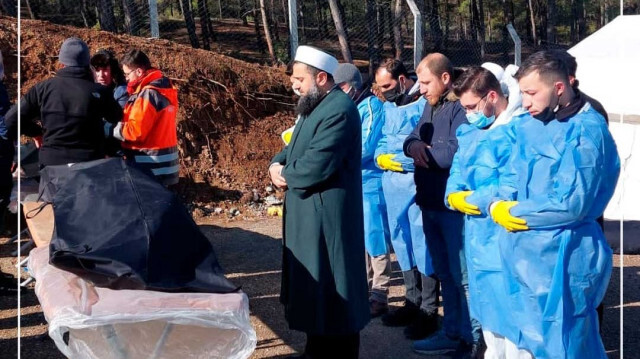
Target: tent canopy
{"points": [[608, 67]]}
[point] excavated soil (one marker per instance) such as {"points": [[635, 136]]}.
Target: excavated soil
{"points": [[9, 48], [230, 117]]}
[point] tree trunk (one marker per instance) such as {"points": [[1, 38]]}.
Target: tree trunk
{"points": [[434, 24], [389, 22], [244, 12], [473, 22], [380, 27], [273, 21], [397, 24], [534, 34], [204, 28], [267, 32], [107, 17], [582, 24], [131, 13], [88, 15], [551, 21], [301, 20], [322, 21], [285, 12], [191, 25], [374, 54], [481, 28], [30, 10], [506, 11], [447, 24], [10, 7], [341, 30], [256, 26]]}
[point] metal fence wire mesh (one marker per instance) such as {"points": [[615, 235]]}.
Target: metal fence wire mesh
{"points": [[467, 31]]}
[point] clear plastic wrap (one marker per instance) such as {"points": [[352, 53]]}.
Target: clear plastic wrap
{"points": [[90, 322]]}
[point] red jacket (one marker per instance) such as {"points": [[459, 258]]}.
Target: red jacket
{"points": [[149, 126]]}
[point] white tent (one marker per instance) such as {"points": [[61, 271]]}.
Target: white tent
{"points": [[609, 71]]}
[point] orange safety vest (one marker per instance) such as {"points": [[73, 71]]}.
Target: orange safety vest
{"points": [[149, 126]]}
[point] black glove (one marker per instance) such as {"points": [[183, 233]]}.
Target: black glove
{"points": [[418, 151]]}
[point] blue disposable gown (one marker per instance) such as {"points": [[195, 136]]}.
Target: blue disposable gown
{"points": [[563, 174], [376, 226], [481, 157], [405, 217]]}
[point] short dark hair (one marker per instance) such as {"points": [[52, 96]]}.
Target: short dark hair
{"points": [[568, 60], [548, 66], [106, 58], [393, 66], [478, 80], [136, 58]]}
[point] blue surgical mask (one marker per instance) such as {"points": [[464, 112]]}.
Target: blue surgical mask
{"points": [[479, 119]]}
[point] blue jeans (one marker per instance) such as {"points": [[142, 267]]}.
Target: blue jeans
{"points": [[444, 231]]}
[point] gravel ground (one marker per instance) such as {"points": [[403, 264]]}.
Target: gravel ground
{"points": [[250, 252]]}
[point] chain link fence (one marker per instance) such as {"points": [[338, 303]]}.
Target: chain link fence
{"points": [[373, 29], [467, 31]]}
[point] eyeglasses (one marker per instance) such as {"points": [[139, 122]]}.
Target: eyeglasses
{"points": [[474, 107], [126, 74]]}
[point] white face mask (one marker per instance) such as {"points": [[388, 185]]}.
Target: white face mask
{"points": [[348, 92], [296, 91]]}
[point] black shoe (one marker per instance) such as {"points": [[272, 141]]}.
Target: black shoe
{"points": [[478, 349], [8, 285], [471, 351], [423, 326], [377, 309], [402, 316]]}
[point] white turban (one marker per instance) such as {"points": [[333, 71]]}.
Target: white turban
{"points": [[316, 58]]}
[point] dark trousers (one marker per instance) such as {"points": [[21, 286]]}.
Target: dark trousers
{"points": [[333, 346], [421, 290], [6, 180], [600, 308]]}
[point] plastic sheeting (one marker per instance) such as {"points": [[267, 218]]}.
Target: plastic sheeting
{"points": [[607, 71], [624, 201], [90, 322]]}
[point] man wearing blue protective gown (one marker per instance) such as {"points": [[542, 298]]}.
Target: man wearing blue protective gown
{"points": [[561, 174], [483, 150], [376, 227], [403, 109]]}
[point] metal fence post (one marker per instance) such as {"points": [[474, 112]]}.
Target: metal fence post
{"points": [[293, 27], [417, 33], [518, 43], [153, 18]]}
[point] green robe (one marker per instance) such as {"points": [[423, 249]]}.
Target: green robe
{"points": [[324, 286]]}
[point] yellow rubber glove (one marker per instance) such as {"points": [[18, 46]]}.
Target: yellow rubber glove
{"points": [[286, 135], [386, 162], [457, 200], [501, 215]]}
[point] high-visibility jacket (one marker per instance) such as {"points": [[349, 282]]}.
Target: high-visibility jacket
{"points": [[148, 128]]}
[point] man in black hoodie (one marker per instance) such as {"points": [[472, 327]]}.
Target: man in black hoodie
{"points": [[432, 145], [71, 109]]}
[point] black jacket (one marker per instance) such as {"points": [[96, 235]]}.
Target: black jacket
{"points": [[71, 108], [437, 128]]}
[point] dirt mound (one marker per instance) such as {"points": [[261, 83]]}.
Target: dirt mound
{"points": [[9, 48], [230, 117]]}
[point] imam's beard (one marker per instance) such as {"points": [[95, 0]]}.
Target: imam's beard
{"points": [[308, 102]]}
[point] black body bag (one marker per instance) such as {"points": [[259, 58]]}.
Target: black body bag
{"points": [[119, 228]]}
